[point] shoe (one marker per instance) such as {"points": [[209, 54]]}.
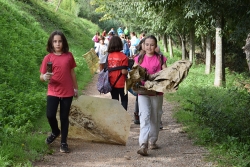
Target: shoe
{"points": [[143, 150], [153, 146], [136, 118], [161, 125], [64, 148], [50, 139]]}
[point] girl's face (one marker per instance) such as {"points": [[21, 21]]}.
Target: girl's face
{"points": [[149, 46], [101, 41], [57, 44]]}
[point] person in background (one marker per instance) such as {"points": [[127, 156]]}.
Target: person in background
{"points": [[150, 106], [104, 33], [128, 41], [108, 38], [101, 50], [142, 36], [134, 42], [96, 39], [125, 45], [126, 32], [62, 86], [112, 31], [119, 31], [117, 78]]}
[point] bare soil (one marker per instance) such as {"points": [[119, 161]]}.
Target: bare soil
{"points": [[176, 149]]}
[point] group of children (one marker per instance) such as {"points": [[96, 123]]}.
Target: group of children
{"points": [[62, 85]]}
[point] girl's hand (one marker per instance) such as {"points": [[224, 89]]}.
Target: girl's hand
{"points": [[76, 93], [47, 76]]}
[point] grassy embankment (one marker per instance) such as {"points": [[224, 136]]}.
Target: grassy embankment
{"points": [[217, 118], [25, 28]]}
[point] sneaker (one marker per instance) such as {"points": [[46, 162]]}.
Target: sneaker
{"points": [[50, 139], [153, 146], [161, 125], [64, 148], [136, 118], [143, 150]]}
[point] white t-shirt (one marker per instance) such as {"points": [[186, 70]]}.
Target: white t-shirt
{"points": [[102, 52]]}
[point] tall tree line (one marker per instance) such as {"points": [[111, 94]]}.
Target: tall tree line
{"points": [[218, 27]]}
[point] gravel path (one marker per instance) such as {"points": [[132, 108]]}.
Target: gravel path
{"points": [[176, 150]]}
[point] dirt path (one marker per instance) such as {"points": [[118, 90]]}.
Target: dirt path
{"points": [[176, 150]]}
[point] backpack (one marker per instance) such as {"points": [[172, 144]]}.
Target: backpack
{"points": [[103, 84]]}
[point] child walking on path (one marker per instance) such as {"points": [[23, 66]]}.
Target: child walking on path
{"points": [[62, 86], [119, 61], [150, 106], [101, 50]]}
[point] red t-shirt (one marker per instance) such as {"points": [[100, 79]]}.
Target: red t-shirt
{"points": [[116, 59], [61, 83]]}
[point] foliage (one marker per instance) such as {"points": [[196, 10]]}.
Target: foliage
{"points": [[216, 117], [178, 18], [25, 28]]}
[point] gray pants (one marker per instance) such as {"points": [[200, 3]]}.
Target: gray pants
{"points": [[150, 112]]}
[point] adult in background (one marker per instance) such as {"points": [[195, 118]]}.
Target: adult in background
{"points": [[125, 45], [126, 32], [112, 31], [119, 31], [149, 105], [133, 43], [117, 78]]}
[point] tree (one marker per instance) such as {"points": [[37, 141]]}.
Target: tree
{"points": [[208, 55]]}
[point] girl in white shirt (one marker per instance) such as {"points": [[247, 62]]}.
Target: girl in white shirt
{"points": [[101, 50]]}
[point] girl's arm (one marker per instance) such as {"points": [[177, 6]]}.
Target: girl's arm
{"points": [[73, 75], [164, 66], [124, 71]]}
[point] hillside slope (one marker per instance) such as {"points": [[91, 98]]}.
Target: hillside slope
{"points": [[25, 28]]}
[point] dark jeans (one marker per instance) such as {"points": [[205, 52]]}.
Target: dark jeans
{"points": [[124, 98], [52, 105]]}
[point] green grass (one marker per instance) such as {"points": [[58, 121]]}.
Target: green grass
{"points": [[217, 118], [25, 28]]}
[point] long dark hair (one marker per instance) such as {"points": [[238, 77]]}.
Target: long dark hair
{"points": [[115, 44], [65, 47]]}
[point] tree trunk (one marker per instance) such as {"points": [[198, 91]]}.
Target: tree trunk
{"points": [[183, 48], [203, 45], [58, 5], [164, 41], [171, 53], [192, 45], [208, 55], [158, 38], [218, 53]]}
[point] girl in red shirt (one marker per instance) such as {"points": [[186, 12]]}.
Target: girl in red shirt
{"points": [[116, 58], [62, 86]]}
